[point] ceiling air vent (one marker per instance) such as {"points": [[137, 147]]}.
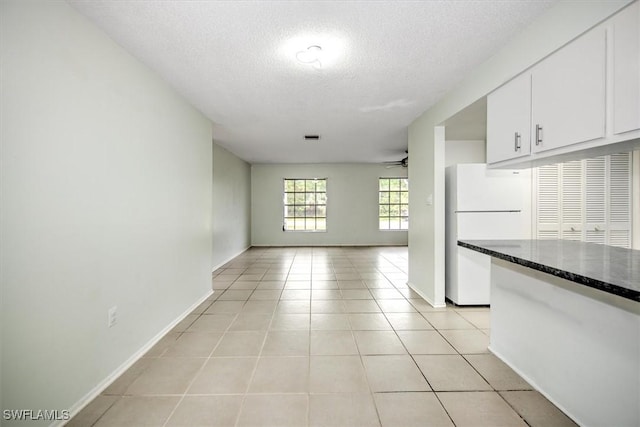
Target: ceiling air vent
{"points": [[311, 137]]}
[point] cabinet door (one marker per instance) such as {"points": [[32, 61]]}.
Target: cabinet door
{"points": [[587, 200], [595, 199], [509, 120], [568, 94], [619, 202], [572, 201], [547, 195], [626, 70]]}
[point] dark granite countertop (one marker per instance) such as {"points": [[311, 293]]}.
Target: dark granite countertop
{"points": [[607, 268]]}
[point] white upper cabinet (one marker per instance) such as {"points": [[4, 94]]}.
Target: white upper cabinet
{"points": [[568, 101], [626, 69], [509, 120], [581, 101], [560, 102]]}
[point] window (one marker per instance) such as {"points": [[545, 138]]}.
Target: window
{"points": [[305, 205], [588, 200], [393, 198]]}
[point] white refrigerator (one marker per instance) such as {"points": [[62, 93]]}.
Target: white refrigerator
{"points": [[481, 204]]}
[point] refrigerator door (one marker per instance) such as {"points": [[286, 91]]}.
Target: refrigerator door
{"points": [[482, 189]]}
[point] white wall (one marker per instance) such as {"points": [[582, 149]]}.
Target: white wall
{"points": [[352, 205], [465, 151], [106, 201], [231, 222], [561, 24]]}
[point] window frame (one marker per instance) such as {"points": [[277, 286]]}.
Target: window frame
{"points": [[303, 208], [396, 205]]}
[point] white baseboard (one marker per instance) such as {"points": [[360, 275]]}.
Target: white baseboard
{"points": [[424, 297], [230, 258], [95, 392]]}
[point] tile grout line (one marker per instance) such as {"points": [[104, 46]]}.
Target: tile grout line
{"points": [[207, 359], [435, 394], [255, 368], [364, 370]]}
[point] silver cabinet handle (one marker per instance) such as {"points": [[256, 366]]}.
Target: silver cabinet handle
{"points": [[516, 142], [538, 134]]}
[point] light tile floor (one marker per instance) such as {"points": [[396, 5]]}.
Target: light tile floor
{"points": [[321, 337]]}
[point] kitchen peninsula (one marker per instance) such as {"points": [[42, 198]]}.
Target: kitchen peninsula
{"points": [[566, 316]]}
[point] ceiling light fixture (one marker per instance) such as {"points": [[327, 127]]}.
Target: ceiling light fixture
{"points": [[314, 50], [311, 55]]}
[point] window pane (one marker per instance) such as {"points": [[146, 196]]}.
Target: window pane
{"points": [[384, 197], [404, 224], [394, 197], [383, 184], [289, 185], [290, 211], [394, 223], [310, 224], [310, 198], [321, 198], [404, 210], [288, 223], [384, 210], [310, 185], [321, 211], [404, 184], [289, 198], [394, 184], [299, 198], [321, 223], [300, 185], [300, 211], [321, 185], [394, 210], [404, 197], [384, 223]]}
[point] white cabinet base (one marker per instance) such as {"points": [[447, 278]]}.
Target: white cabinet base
{"points": [[578, 346]]}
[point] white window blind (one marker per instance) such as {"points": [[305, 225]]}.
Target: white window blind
{"points": [[587, 200]]}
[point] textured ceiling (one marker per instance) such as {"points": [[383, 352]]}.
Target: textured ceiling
{"points": [[385, 63]]}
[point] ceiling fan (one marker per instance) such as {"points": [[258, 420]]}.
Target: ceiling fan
{"points": [[403, 163]]}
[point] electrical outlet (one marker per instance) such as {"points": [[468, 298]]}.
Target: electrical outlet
{"points": [[112, 315]]}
